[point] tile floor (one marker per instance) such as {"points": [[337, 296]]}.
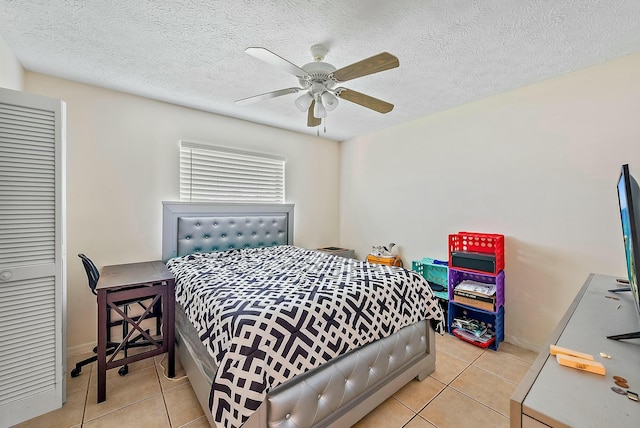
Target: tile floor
{"points": [[469, 388]]}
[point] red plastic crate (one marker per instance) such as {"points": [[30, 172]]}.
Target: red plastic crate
{"points": [[473, 342], [488, 243]]}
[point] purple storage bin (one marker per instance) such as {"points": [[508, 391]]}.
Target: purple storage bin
{"points": [[457, 276]]}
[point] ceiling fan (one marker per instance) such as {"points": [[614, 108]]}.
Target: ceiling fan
{"points": [[318, 80]]}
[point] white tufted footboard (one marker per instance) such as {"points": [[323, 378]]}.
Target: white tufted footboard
{"points": [[338, 393]]}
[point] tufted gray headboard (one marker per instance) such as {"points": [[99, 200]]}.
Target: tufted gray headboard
{"points": [[189, 227]]}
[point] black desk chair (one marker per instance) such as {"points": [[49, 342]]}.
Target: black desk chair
{"points": [[93, 275]]}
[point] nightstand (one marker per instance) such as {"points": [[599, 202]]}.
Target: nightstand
{"points": [[391, 261], [337, 251]]}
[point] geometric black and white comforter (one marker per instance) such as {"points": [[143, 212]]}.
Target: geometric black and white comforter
{"points": [[268, 314]]}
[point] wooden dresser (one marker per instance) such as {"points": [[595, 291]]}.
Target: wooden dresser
{"points": [[552, 395]]}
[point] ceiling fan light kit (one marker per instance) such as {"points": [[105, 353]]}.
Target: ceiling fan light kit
{"points": [[318, 79], [304, 101], [319, 111], [329, 101]]}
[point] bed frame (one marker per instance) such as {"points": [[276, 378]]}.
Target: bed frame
{"points": [[338, 393]]}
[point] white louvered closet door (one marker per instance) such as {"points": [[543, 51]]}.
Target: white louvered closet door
{"points": [[32, 256]]}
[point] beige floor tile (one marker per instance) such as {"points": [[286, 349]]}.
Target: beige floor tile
{"points": [[452, 409], [476, 387], [503, 365], [122, 391], [163, 357], [162, 368], [389, 414], [418, 422], [183, 405], [147, 413], [487, 388], [80, 382], [416, 394], [448, 367], [516, 351], [69, 415], [458, 348], [198, 423]]}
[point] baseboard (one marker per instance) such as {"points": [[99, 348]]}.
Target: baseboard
{"points": [[80, 349], [523, 344]]}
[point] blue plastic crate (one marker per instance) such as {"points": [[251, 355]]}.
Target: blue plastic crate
{"points": [[494, 320]]}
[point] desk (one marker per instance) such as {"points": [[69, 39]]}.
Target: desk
{"points": [[558, 396], [135, 281]]}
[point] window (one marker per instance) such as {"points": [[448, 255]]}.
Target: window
{"points": [[222, 174]]}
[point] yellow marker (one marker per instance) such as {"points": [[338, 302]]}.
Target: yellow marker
{"points": [[581, 364], [555, 350]]}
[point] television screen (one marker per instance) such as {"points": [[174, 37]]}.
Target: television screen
{"points": [[629, 201]]}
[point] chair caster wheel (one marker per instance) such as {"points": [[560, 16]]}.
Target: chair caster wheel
{"points": [[123, 370], [95, 349], [75, 372]]}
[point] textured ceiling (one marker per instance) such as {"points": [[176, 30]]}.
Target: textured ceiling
{"points": [[191, 53]]}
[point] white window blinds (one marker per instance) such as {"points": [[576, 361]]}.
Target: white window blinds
{"points": [[222, 174]]}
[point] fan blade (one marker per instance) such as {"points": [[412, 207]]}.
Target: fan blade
{"points": [[267, 96], [375, 64], [311, 119], [277, 61], [364, 100]]}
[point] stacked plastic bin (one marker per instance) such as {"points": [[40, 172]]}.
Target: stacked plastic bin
{"points": [[477, 257], [435, 272]]}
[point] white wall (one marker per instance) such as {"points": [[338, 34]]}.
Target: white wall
{"points": [[11, 71], [538, 164], [122, 162]]}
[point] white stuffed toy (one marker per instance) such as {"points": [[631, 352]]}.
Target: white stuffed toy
{"points": [[382, 251]]}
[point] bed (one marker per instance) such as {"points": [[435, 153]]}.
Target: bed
{"points": [[363, 349]]}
